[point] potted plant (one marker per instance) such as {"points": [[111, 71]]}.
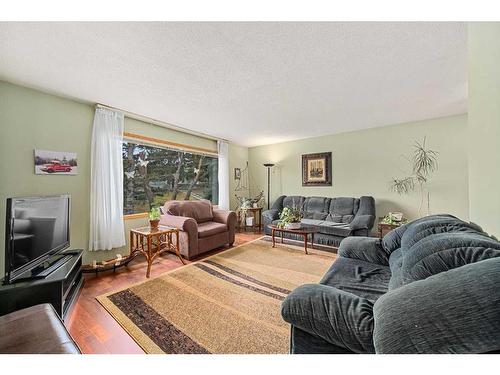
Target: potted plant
{"points": [[290, 218], [154, 217], [423, 164]]}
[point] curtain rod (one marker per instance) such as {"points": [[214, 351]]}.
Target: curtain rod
{"points": [[142, 118]]}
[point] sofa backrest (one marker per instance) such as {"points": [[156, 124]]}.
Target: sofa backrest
{"points": [[200, 210], [435, 244]]}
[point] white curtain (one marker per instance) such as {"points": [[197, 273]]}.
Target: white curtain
{"points": [[106, 189], [223, 149]]}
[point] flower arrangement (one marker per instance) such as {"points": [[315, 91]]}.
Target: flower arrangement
{"points": [[290, 217], [394, 218]]}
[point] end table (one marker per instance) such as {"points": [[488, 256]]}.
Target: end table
{"points": [[153, 242], [383, 229], [257, 213]]}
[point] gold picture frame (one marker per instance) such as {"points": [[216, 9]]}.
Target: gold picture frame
{"points": [[317, 169]]}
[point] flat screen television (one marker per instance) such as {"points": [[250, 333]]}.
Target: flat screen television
{"points": [[36, 229]]}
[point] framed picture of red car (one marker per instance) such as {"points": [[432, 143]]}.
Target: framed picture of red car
{"points": [[317, 169], [55, 162]]}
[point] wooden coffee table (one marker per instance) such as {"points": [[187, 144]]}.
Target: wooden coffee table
{"points": [[153, 242], [304, 231]]}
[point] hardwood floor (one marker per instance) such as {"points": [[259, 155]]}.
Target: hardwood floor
{"points": [[93, 329]]}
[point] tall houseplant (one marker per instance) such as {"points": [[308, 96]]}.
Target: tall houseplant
{"points": [[423, 164]]}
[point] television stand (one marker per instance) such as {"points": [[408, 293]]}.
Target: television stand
{"points": [[43, 272], [60, 287]]}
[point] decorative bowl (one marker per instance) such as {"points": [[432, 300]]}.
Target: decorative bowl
{"points": [[292, 226]]}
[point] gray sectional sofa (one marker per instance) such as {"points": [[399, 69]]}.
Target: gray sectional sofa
{"points": [[336, 218], [431, 286]]}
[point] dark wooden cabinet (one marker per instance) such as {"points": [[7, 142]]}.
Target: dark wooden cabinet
{"points": [[60, 288]]}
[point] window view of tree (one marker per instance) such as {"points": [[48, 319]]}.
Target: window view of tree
{"points": [[153, 175]]}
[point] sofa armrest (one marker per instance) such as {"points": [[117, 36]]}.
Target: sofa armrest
{"points": [[368, 249], [270, 215], [341, 318], [452, 312], [362, 222], [278, 203]]}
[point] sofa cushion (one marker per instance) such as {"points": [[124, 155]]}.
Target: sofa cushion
{"points": [[329, 227], [200, 210], [342, 206], [293, 201], [209, 228], [316, 207], [336, 229], [364, 279], [420, 230], [445, 251], [396, 265], [340, 318]]}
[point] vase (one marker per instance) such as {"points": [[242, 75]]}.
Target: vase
{"points": [[154, 223], [249, 221]]}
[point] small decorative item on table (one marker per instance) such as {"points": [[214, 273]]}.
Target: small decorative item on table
{"points": [[389, 222], [290, 218], [153, 242], [154, 217]]}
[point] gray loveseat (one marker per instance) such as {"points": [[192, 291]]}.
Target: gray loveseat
{"points": [[336, 218], [431, 286]]}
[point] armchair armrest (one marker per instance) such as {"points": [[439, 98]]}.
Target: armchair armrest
{"points": [[229, 218], [452, 312], [368, 249], [224, 217], [339, 317], [186, 224]]}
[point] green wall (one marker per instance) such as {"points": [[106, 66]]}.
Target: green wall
{"points": [[364, 162], [31, 119], [484, 125]]}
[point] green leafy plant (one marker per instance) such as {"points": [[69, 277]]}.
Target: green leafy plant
{"points": [[289, 215], [423, 164], [154, 214], [392, 220]]}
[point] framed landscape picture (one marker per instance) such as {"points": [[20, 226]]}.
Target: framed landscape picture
{"points": [[55, 162], [317, 169]]}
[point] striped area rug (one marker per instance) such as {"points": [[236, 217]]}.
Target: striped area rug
{"points": [[227, 303]]}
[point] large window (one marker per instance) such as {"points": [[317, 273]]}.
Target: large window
{"points": [[153, 175]]}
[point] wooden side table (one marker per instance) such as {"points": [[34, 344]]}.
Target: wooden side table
{"points": [[154, 242], [383, 229], [256, 213]]}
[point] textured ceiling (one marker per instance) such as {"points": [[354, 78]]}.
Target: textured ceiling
{"points": [[250, 83]]}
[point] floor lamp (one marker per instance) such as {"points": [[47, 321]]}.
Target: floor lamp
{"points": [[268, 166]]}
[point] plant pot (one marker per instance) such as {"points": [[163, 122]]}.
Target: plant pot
{"points": [[154, 223], [249, 221], [292, 225]]}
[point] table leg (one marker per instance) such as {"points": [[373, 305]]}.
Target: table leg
{"points": [[131, 242], [150, 261], [273, 233], [305, 243], [312, 240], [281, 236]]}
